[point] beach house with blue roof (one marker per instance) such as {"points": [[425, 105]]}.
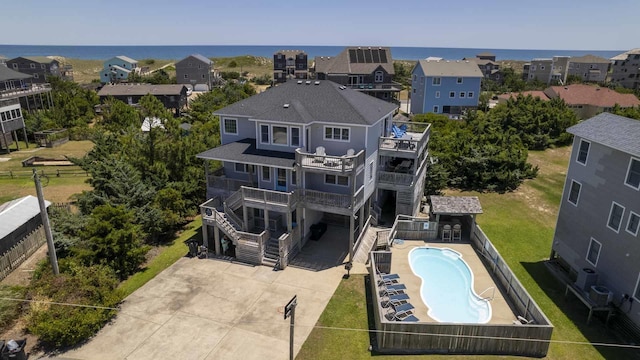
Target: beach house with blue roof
{"points": [[117, 69]]}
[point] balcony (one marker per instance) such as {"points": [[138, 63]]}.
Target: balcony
{"points": [[393, 87], [330, 163], [268, 199], [219, 184], [32, 89], [386, 179], [325, 201], [410, 145]]}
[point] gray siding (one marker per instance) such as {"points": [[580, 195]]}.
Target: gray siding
{"points": [[356, 141], [602, 180], [246, 129], [277, 147], [193, 71], [417, 91]]}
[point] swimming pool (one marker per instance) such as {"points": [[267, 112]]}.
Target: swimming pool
{"points": [[447, 286]]}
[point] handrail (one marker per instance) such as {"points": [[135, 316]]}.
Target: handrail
{"points": [[362, 233], [493, 294]]}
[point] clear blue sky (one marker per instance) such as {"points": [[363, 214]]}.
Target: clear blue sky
{"points": [[513, 24]]}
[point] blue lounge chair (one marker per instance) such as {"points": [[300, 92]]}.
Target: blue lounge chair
{"points": [[387, 279], [410, 318], [393, 289], [395, 300], [398, 311]]}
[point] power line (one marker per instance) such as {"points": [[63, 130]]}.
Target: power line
{"points": [[127, 312]]}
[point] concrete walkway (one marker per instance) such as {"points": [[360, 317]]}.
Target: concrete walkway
{"points": [[214, 309]]}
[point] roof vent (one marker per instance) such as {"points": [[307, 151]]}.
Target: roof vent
{"points": [[299, 81], [308, 82], [286, 106], [317, 83]]}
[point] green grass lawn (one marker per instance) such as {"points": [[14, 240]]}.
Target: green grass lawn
{"points": [[521, 226]]}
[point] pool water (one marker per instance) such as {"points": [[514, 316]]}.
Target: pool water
{"points": [[447, 286]]}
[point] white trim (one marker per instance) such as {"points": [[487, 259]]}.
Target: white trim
{"points": [[588, 251], [433, 81], [578, 152], [262, 168], [613, 204], [437, 94], [268, 134], [324, 133], [579, 191], [454, 94], [635, 290], [299, 144], [224, 127], [245, 168], [470, 94], [286, 137], [336, 182], [626, 228], [626, 177], [371, 172]]}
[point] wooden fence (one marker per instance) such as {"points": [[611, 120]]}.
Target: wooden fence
{"points": [[43, 173], [21, 251]]}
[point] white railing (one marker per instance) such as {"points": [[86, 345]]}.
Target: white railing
{"points": [[395, 178], [27, 90], [268, 196], [342, 164], [363, 233]]}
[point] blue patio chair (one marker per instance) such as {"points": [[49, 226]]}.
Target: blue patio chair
{"points": [[409, 318], [393, 289], [400, 310], [395, 300], [387, 279]]}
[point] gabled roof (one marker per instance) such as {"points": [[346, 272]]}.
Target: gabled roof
{"points": [[15, 213], [9, 74], [580, 94], [534, 93], [446, 68], [140, 89], [356, 60], [245, 152], [590, 59], [624, 55], [39, 59], [617, 132], [301, 103], [126, 58], [288, 53], [198, 57], [455, 205], [121, 68]]}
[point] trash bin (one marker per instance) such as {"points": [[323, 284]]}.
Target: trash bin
{"points": [[193, 247], [9, 353]]}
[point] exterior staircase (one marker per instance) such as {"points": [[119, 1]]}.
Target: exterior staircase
{"points": [[271, 252], [368, 242]]}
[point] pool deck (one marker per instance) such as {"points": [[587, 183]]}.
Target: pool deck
{"points": [[501, 312]]}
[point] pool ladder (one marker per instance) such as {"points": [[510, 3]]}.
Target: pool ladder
{"points": [[493, 293]]}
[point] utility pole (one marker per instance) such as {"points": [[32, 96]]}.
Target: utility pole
{"points": [[45, 222]]}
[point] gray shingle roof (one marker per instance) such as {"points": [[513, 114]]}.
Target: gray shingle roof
{"points": [[455, 205], [8, 74], [244, 151], [140, 89], [450, 68], [617, 132], [590, 59], [15, 213], [625, 54], [342, 63], [325, 102], [197, 57], [40, 59]]}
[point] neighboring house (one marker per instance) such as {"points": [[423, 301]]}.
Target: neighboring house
{"points": [[625, 70], [445, 87], [11, 121], [290, 64], [39, 67], [304, 153], [503, 98], [589, 68], [548, 70], [117, 69], [195, 70], [596, 239], [18, 86], [172, 96], [3, 60], [589, 100], [366, 69], [488, 65], [18, 219]]}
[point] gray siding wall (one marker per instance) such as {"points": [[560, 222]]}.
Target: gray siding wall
{"points": [[315, 181], [602, 180], [246, 129], [276, 147], [356, 141], [417, 91], [195, 70], [582, 70]]}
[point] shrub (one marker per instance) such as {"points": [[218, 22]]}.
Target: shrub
{"points": [[262, 80], [233, 64], [9, 310], [230, 75], [66, 325]]}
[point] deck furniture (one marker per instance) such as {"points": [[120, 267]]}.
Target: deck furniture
{"points": [[410, 318], [387, 279], [395, 300], [446, 233], [393, 289], [399, 311], [457, 232]]}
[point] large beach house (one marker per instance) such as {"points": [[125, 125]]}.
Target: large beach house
{"points": [[304, 154], [596, 238]]}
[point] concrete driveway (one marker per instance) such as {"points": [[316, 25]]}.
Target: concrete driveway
{"points": [[214, 309]]}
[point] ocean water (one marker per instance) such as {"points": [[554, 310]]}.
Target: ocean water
{"points": [[177, 52]]}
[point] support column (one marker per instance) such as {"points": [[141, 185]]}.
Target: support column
{"points": [[205, 234], [300, 222], [351, 239], [6, 142], [26, 140], [361, 218], [266, 219], [15, 136], [289, 221], [216, 240], [245, 216]]}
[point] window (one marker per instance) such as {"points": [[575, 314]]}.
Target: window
{"points": [[266, 173], [242, 168], [415, 77], [42, 66], [633, 174], [186, 76], [574, 193], [36, 76], [295, 136], [421, 80], [594, 252], [615, 216], [280, 136], [264, 134], [336, 133], [583, 152], [281, 181], [470, 94], [541, 67], [231, 126], [633, 224], [462, 94], [379, 76], [371, 171], [33, 66], [294, 178], [436, 109], [533, 68], [336, 180], [459, 80], [452, 94], [436, 81], [437, 94], [15, 65], [203, 76], [414, 90]]}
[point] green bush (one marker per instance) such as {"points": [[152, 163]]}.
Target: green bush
{"points": [[66, 325], [233, 64], [230, 75], [262, 80], [10, 310]]}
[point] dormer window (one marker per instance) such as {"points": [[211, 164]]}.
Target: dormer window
{"points": [[379, 76]]}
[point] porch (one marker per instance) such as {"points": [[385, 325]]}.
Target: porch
{"points": [[408, 143]]}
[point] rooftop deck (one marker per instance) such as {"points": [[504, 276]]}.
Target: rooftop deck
{"points": [[34, 89], [411, 144], [331, 163]]}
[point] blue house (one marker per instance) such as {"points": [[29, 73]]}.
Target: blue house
{"points": [[445, 87], [118, 68]]}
